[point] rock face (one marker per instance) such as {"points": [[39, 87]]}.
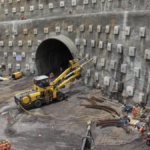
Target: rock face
{"points": [[114, 32]]}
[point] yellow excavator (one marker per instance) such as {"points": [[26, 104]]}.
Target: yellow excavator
{"points": [[45, 92]]}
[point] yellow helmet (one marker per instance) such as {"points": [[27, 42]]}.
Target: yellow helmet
{"points": [[3, 142], [143, 125], [133, 106], [6, 140], [89, 123]]}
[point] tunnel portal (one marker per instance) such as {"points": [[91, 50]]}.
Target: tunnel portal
{"points": [[53, 55]]}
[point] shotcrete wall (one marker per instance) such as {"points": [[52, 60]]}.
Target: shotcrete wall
{"points": [[15, 9], [88, 25]]}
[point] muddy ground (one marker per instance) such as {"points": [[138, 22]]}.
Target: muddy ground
{"points": [[60, 125]]}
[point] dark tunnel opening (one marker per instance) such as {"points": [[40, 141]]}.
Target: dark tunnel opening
{"points": [[52, 57]]}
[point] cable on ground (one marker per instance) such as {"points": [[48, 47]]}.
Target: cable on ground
{"points": [[42, 115]]}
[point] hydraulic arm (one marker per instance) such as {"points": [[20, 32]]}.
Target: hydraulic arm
{"points": [[72, 75], [73, 64]]}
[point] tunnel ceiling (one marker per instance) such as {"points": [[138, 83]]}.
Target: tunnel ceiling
{"points": [[51, 55]]}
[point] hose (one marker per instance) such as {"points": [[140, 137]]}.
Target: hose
{"points": [[42, 115]]}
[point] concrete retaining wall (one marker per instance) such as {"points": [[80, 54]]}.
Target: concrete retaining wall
{"points": [[71, 7]]}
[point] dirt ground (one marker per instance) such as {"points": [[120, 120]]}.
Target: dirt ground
{"points": [[65, 123]]}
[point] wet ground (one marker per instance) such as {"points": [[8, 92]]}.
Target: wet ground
{"points": [[60, 125]]}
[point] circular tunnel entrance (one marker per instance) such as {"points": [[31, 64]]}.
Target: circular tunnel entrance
{"points": [[53, 55]]}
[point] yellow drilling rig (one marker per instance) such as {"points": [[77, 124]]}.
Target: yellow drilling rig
{"points": [[44, 91]]}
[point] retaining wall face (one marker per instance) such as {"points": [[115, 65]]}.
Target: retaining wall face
{"points": [[75, 6], [92, 14]]}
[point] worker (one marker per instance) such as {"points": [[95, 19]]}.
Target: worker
{"points": [[51, 76], [142, 130], [148, 139], [45, 84], [134, 111], [98, 86], [1, 146], [42, 84], [4, 145], [8, 145]]}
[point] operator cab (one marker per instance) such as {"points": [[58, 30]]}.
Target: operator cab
{"points": [[41, 81]]}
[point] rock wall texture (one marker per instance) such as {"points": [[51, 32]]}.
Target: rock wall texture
{"points": [[114, 32]]}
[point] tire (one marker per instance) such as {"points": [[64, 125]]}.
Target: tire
{"points": [[38, 103], [60, 96], [13, 77]]}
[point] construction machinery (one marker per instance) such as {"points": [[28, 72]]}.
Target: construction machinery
{"points": [[45, 92], [17, 75], [87, 140]]}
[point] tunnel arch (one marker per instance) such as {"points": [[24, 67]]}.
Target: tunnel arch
{"points": [[54, 53]]}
